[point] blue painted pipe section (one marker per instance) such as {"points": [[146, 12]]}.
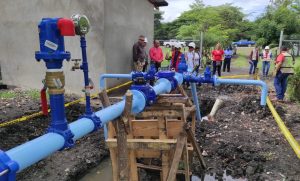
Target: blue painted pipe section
{"points": [[264, 90], [115, 76], [162, 86], [179, 78], [35, 150], [196, 101], [58, 116]]}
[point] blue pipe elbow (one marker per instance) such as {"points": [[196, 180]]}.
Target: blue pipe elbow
{"points": [[115, 76], [263, 85]]}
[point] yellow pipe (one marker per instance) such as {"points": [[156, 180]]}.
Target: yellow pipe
{"points": [[40, 113], [289, 137]]}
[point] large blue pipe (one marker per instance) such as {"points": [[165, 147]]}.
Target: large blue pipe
{"points": [[35, 150], [196, 101], [114, 76], [263, 85]]}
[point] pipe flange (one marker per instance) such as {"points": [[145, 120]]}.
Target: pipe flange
{"points": [[8, 167], [96, 120], [67, 134]]}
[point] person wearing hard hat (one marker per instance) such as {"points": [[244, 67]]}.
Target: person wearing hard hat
{"points": [[156, 55], [284, 66], [176, 55], [217, 55], [190, 56], [266, 59]]}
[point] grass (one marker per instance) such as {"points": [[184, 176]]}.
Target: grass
{"points": [[7, 94], [10, 94]]}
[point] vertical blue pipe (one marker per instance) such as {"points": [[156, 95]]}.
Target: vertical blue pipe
{"points": [[196, 101], [264, 90], [58, 116], [85, 68]]}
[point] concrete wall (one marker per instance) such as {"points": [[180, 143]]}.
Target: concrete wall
{"points": [[124, 21], [115, 27]]}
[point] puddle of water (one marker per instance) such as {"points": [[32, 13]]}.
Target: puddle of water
{"points": [[101, 172], [104, 172]]}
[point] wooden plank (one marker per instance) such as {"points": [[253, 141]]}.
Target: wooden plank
{"points": [[191, 138], [148, 154], [181, 141], [182, 91], [122, 140], [158, 168], [158, 113], [145, 144], [186, 163], [150, 128], [183, 100], [111, 132]]}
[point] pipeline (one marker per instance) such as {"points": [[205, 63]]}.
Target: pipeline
{"points": [[115, 76], [263, 85], [287, 134], [40, 113]]}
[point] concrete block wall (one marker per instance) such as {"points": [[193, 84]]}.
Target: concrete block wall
{"points": [[115, 27]]}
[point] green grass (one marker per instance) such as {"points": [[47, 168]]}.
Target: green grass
{"points": [[33, 93], [7, 94]]}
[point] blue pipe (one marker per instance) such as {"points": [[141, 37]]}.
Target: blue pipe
{"points": [[195, 100], [263, 85], [35, 150], [115, 76], [85, 69], [162, 86]]}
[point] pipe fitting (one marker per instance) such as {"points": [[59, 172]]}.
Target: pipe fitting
{"points": [[55, 81], [8, 167], [67, 134], [96, 120]]}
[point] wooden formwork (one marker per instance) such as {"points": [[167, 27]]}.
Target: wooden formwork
{"points": [[160, 132]]}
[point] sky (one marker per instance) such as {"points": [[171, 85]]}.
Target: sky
{"points": [[252, 8]]}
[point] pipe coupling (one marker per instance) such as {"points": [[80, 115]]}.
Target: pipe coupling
{"points": [[55, 81]]}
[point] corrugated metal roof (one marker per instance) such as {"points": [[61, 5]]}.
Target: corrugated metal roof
{"points": [[158, 3]]}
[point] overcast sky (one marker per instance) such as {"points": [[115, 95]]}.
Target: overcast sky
{"points": [[252, 8]]}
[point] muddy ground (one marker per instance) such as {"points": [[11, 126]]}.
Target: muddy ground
{"points": [[244, 139], [69, 164]]}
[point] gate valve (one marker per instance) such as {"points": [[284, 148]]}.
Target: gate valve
{"points": [[76, 64], [44, 99]]}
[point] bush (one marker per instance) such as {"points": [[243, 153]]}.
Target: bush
{"points": [[294, 85]]}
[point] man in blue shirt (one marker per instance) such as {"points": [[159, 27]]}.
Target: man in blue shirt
{"points": [[228, 55]]}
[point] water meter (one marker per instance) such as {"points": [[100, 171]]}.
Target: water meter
{"points": [[82, 24]]}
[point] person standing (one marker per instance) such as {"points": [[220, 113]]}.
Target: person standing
{"points": [[156, 55], [266, 59], [227, 61], [253, 60], [190, 56], [139, 54], [284, 66], [176, 56], [217, 55], [197, 61]]}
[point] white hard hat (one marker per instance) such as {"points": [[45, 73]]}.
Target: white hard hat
{"points": [[177, 45], [267, 48], [146, 40], [192, 44]]}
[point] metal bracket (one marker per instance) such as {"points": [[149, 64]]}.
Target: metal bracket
{"points": [[96, 120], [67, 134]]}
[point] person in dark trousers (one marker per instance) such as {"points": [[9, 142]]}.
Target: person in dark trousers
{"points": [[227, 61], [139, 54], [253, 60], [217, 55], [284, 67]]}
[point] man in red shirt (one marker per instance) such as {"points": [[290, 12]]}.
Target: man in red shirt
{"points": [[156, 55], [217, 55], [284, 66]]}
